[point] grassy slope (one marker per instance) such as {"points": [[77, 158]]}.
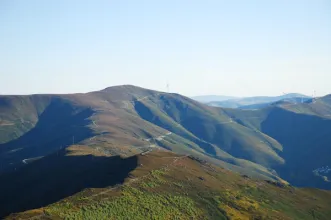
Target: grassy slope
{"points": [[210, 130], [168, 186]]}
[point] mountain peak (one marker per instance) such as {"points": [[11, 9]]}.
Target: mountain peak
{"points": [[125, 86]]}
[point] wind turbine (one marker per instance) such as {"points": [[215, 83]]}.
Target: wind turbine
{"points": [[284, 94], [314, 96], [285, 97]]}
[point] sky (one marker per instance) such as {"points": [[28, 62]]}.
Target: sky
{"points": [[237, 48]]}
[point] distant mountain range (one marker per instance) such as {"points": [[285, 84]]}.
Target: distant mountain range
{"points": [[288, 141], [250, 102], [212, 98]]}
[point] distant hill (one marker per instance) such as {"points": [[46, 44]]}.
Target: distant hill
{"points": [[295, 100], [212, 98], [258, 101]]}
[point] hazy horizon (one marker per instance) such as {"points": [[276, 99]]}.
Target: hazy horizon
{"points": [[235, 48]]}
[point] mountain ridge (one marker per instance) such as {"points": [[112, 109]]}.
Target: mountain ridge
{"points": [[124, 120], [257, 100], [162, 185]]}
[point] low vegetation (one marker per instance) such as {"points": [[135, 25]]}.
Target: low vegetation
{"points": [[183, 188], [132, 204]]}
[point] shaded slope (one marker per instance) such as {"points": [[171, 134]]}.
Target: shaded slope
{"points": [[18, 114], [57, 126], [306, 142], [58, 176], [303, 130]]}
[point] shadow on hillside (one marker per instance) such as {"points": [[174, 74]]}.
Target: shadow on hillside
{"points": [[58, 126], [55, 177], [306, 145]]}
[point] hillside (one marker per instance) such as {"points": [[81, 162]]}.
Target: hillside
{"points": [[34, 126], [287, 141], [160, 185], [303, 130]]}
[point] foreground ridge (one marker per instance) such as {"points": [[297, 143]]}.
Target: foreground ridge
{"points": [[167, 186]]}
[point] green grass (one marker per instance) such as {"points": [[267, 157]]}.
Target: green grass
{"points": [[190, 190], [133, 204]]}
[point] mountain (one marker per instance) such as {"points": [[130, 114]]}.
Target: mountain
{"points": [[258, 101], [124, 120], [283, 142], [157, 185], [212, 98]]}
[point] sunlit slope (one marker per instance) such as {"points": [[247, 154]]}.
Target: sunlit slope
{"points": [[163, 185], [320, 107], [193, 120], [173, 114]]}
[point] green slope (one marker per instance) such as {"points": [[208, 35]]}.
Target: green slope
{"points": [[163, 185], [200, 122]]}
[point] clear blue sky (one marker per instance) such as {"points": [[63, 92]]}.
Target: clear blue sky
{"points": [[239, 48]]}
